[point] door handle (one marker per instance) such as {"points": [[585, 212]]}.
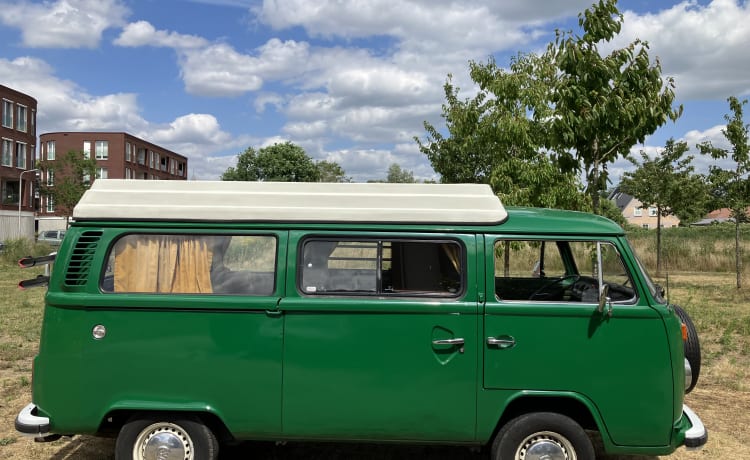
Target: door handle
{"points": [[452, 342], [456, 341], [504, 341]]}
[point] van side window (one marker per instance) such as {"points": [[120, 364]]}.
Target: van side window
{"points": [[381, 267], [559, 271], [192, 264]]}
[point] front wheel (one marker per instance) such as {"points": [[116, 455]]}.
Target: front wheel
{"points": [[164, 436], [542, 436]]}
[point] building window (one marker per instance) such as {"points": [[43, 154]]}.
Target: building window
{"points": [[50, 177], [652, 211], [50, 204], [7, 113], [164, 163], [21, 155], [50, 150], [33, 121], [86, 149], [637, 211], [21, 120], [644, 226], [101, 173], [7, 159], [102, 150], [128, 151], [151, 162], [141, 156], [181, 169], [10, 192]]}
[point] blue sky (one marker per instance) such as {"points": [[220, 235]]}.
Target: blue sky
{"points": [[350, 81]]}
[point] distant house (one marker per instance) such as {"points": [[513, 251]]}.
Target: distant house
{"points": [[718, 216], [636, 214]]}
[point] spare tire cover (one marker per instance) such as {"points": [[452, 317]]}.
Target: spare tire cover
{"points": [[692, 346]]}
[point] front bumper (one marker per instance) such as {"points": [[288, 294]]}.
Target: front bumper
{"points": [[28, 423], [697, 435]]}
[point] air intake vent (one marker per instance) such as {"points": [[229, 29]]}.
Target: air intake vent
{"points": [[81, 259]]}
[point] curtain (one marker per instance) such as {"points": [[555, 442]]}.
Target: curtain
{"points": [[163, 264]]}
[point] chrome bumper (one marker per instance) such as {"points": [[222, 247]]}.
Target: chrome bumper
{"points": [[31, 425], [696, 436]]}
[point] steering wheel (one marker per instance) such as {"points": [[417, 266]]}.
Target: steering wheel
{"points": [[543, 292]]}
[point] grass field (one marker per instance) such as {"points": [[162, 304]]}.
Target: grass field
{"points": [[722, 399]]}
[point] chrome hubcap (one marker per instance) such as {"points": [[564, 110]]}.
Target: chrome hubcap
{"points": [[163, 441], [545, 445]]}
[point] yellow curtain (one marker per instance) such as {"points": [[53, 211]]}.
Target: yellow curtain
{"points": [[454, 255], [163, 264]]}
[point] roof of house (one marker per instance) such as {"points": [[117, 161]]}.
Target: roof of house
{"points": [[470, 204], [620, 198]]}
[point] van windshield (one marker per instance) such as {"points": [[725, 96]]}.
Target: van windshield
{"points": [[656, 291]]}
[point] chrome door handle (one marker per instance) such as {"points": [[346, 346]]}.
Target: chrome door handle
{"points": [[456, 341], [504, 341]]}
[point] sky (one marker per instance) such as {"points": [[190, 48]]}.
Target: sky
{"points": [[351, 81]]}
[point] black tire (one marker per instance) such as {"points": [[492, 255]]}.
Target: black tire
{"points": [[538, 430], [186, 432], [692, 346]]}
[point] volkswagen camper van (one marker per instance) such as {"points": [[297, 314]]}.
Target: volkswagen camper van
{"points": [[181, 315]]}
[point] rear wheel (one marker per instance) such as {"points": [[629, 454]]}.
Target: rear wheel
{"points": [[165, 437], [542, 436]]}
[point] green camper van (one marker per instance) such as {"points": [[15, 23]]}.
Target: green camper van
{"points": [[181, 315]]}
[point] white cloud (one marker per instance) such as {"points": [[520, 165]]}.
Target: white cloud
{"points": [[142, 33], [705, 47], [420, 24], [63, 106], [63, 23]]}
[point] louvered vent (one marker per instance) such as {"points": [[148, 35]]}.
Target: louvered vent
{"points": [[82, 258]]}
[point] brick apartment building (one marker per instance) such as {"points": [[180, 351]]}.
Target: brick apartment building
{"points": [[18, 136], [118, 156]]}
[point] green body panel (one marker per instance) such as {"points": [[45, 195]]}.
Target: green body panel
{"points": [[297, 366], [619, 362], [225, 362], [366, 368]]}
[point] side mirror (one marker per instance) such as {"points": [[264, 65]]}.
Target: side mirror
{"points": [[605, 300]]}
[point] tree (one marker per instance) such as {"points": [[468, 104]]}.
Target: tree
{"points": [[279, 162], [585, 108], [330, 171], [493, 139], [731, 187], [67, 178], [603, 105], [399, 176], [667, 182]]}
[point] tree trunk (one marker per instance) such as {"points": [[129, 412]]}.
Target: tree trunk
{"points": [[658, 241], [737, 257]]}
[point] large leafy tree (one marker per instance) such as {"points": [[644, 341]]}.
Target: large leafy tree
{"points": [[603, 104], [66, 179], [586, 108], [285, 162], [497, 136], [731, 186], [668, 183]]}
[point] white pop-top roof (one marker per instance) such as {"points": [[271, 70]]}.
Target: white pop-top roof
{"points": [[290, 202]]}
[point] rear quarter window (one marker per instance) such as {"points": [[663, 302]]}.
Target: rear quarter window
{"points": [[192, 264]]}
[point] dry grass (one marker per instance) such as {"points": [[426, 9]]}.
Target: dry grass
{"points": [[722, 398]]}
